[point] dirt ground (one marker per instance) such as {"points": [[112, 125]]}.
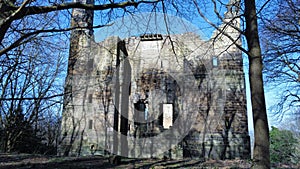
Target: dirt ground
{"points": [[25, 161]]}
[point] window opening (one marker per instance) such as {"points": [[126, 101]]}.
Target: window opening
{"points": [[215, 61], [90, 124]]}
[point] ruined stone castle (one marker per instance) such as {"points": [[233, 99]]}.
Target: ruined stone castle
{"points": [[155, 95]]}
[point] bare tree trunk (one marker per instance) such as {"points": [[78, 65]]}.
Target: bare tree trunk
{"points": [[261, 153]]}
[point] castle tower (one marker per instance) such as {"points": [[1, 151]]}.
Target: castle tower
{"points": [[82, 35], [80, 66], [231, 93], [228, 33]]}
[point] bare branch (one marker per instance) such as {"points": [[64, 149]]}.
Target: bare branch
{"points": [[220, 30], [32, 98], [36, 32], [32, 10]]}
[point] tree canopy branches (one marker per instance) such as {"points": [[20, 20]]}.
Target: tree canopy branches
{"points": [[281, 45]]}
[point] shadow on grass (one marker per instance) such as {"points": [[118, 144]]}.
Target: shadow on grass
{"points": [[167, 163], [30, 161], [39, 161], [6, 158]]}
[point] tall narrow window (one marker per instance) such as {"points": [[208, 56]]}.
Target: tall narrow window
{"points": [[167, 115], [220, 93], [90, 98], [90, 64], [215, 61], [90, 124], [160, 118]]}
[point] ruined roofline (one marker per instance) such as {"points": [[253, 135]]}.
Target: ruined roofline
{"points": [[185, 39], [151, 37], [156, 36]]}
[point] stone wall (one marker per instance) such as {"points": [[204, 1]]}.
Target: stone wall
{"points": [[157, 77], [117, 92]]}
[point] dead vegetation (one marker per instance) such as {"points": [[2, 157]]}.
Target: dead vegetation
{"points": [[24, 161]]}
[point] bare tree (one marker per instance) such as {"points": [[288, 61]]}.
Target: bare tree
{"points": [[281, 41], [261, 152], [25, 85]]}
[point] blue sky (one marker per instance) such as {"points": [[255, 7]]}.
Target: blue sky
{"points": [[135, 25]]}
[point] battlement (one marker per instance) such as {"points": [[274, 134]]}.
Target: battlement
{"points": [[151, 37]]}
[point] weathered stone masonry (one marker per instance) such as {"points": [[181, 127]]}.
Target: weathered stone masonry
{"points": [[134, 86]]}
